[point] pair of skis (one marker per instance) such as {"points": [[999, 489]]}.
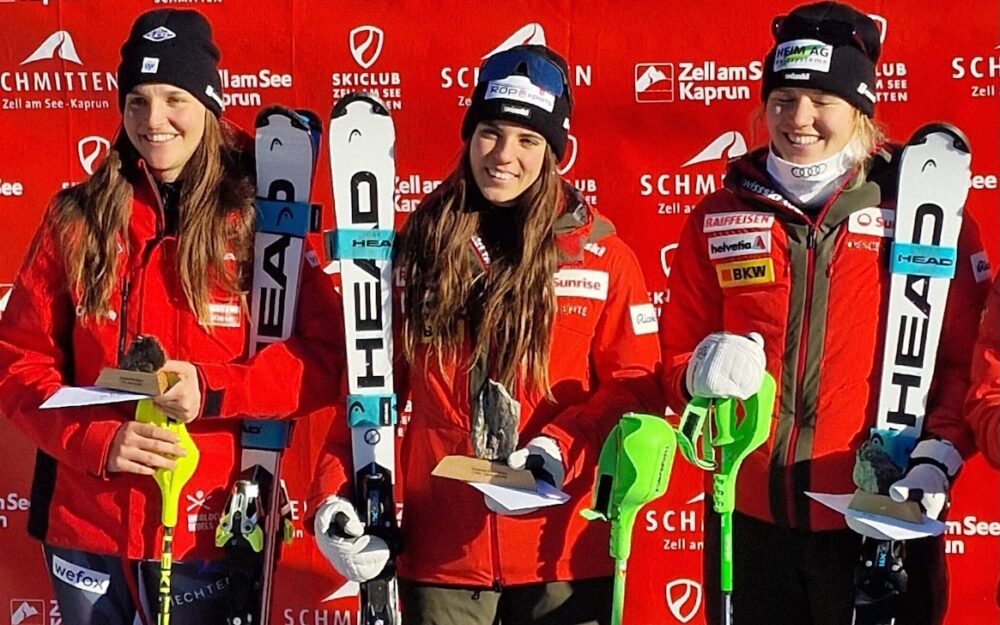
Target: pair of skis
{"points": [[362, 143], [257, 512], [934, 181]]}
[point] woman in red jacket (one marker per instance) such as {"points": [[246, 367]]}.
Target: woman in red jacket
{"points": [[157, 242], [518, 295], [983, 405], [788, 268]]}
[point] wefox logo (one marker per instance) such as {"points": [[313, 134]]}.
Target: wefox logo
{"points": [[59, 42], [80, 577]]}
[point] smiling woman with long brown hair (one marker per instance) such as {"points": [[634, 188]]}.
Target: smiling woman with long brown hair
{"points": [[157, 242], [526, 333]]}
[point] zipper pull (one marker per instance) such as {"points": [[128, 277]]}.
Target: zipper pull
{"points": [[811, 238]]}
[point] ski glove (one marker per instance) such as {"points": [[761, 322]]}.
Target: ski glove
{"points": [[725, 365], [933, 464], [542, 457], [357, 556]]}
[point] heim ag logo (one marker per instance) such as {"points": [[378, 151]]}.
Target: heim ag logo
{"points": [[683, 599], [677, 192], [979, 72], [688, 81], [465, 78], [365, 43], [53, 76], [27, 612]]}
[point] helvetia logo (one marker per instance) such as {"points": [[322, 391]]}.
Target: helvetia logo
{"points": [[366, 45], [58, 43], [92, 151], [683, 599]]}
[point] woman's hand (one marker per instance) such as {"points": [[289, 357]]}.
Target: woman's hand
{"points": [[182, 401], [143, 448]]}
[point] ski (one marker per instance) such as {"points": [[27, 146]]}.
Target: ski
{"points": [[257, 511], [362, 160], [934, 181]]}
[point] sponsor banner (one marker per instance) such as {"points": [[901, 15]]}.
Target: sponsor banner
{"points": [[745, 272], [739, 245], [585, 283], [705, 82], [366, 44]]}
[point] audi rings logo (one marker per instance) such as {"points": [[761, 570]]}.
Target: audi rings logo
{"points": [[91, 150], [683, 599], [366, 45], [809, 171]]}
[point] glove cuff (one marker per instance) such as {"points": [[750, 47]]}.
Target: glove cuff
{"points": [[940, 454], [548, 445]]}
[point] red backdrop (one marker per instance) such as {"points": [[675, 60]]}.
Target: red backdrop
{"points": [[643, 155]]}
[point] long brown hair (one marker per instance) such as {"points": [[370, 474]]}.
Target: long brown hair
{"points": [[216, 217], [517, 302]]}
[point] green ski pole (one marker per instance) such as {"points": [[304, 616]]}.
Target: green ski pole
{"points": [[734, 438], [170, 482], [633, 469]]}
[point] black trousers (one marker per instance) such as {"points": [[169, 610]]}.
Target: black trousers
{"points": [[579, 602], [794, 576], [94, 589]]}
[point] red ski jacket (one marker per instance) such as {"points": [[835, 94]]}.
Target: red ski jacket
{"points": [[603, 362], [75, 503], [984, 396], [817, 290]]}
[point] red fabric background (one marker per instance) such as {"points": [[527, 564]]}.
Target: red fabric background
{"points": [[644, 157]]}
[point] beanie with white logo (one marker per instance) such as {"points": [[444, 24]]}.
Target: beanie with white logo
{"points": [[827, 46], [527, 85], [173, 47]]}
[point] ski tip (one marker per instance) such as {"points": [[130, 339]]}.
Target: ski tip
{"points": [[958, 138], [378, 107], [301, 119]]}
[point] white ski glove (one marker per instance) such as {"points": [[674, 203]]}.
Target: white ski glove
{"points": [[726, 365], [542, 457], [357, 556], [933, 464]]}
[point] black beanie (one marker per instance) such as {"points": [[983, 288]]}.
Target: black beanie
{"points": [[827, 46], [517, 101], [173, 47]]}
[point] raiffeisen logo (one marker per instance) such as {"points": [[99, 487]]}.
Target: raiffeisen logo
{"points": [[53, 76], [980, 71], [366, 43], [245, 89], [688, 81], [680, 191], [466, 77]]}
